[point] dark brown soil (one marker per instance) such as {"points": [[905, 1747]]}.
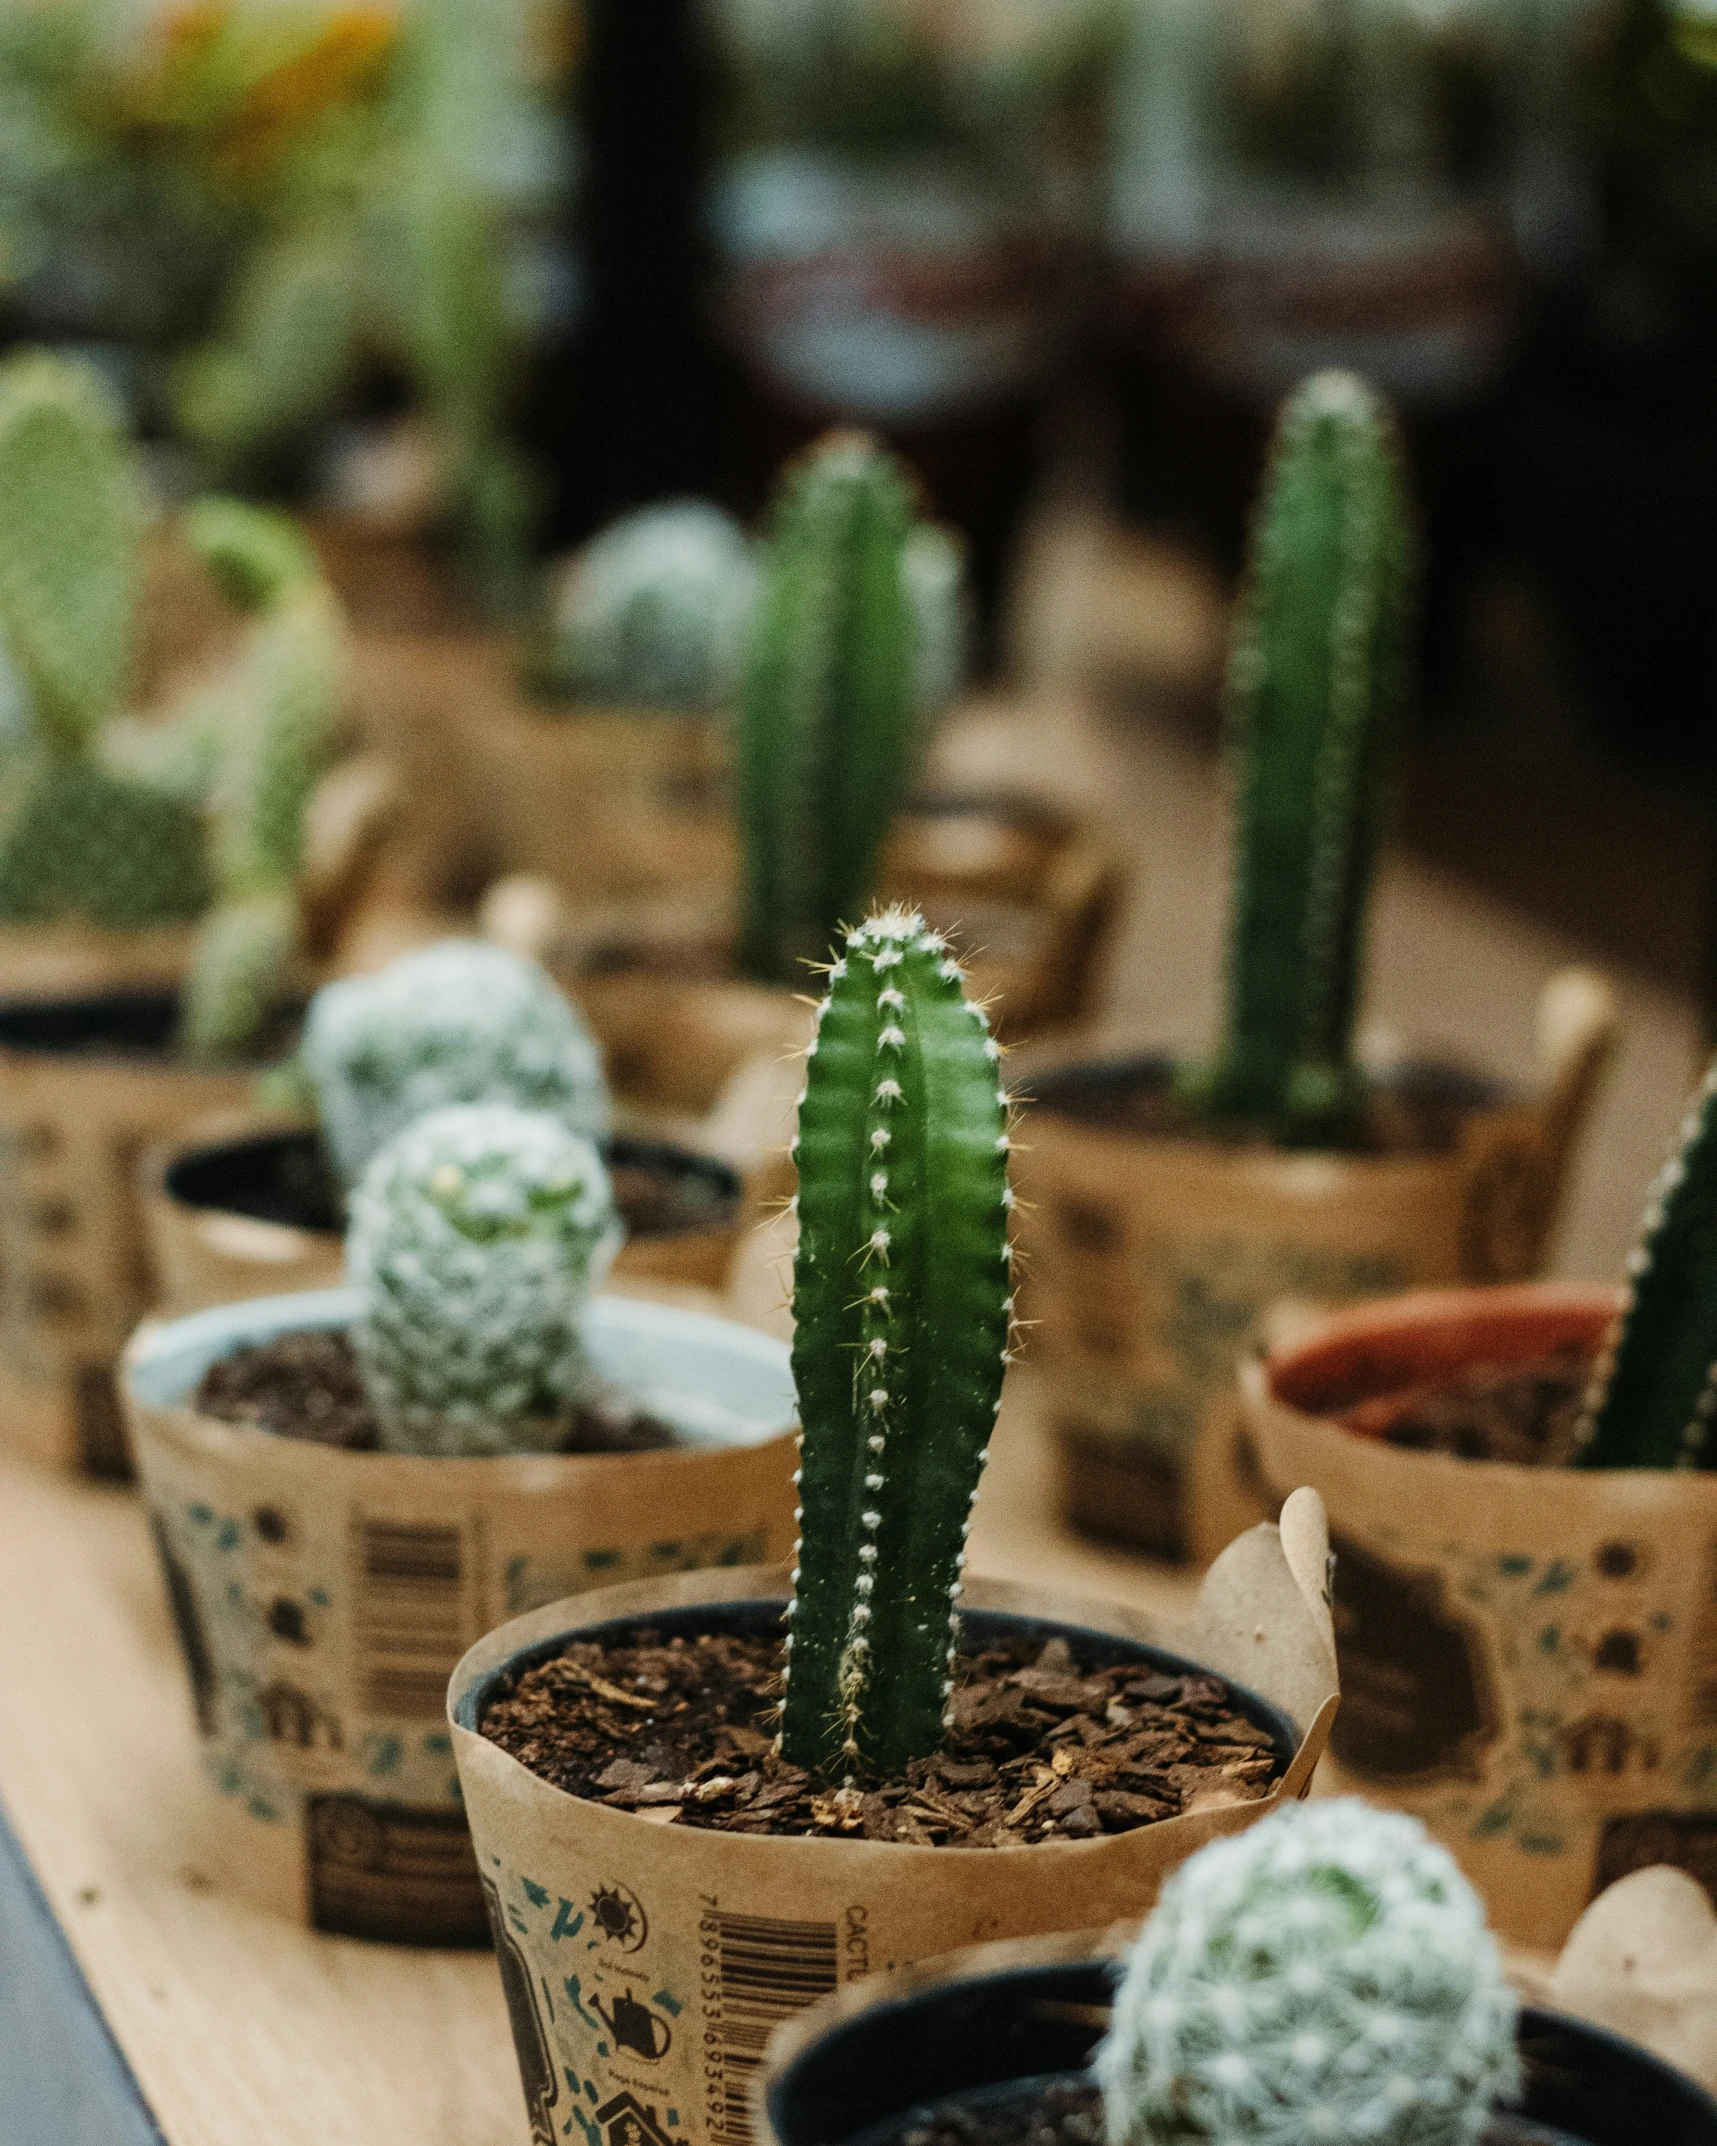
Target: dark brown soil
{"points": [[1039, 1751], [1073, 2116], [305, 1385], [1524, 1413]]}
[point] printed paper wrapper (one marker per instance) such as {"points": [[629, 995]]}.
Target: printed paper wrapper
{"points": [[1528, 1655], [1153, 1261], [646, 1963], [75, 1268], [322, 1597]]}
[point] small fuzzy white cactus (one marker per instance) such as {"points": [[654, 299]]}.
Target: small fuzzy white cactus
{"points": [[651, 613], [460, 1022], [477, 1238], [1325, 1976]]}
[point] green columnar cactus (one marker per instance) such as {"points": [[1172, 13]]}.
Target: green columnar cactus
{"points": [[854, 610], [461, 1022], [278, 721], [477, 1238], [1653, 1397], [1326, 1974], [651, 613], [903, 1298], [1318, 679]]}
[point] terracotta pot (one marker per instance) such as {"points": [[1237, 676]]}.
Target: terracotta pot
{"points": [[700, 1942], [971, 2035], [1150, 1260], [247, 1210], [322, 1597], [86, 1085], [1526, 1652]]}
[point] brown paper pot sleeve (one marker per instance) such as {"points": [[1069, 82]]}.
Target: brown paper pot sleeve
{"points": [[1526, 1652], [322, 1596], [1150, 1259], [645, 1963], [245, 1208], [87, 1085]]}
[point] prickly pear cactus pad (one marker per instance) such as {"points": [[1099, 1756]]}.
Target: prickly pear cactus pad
{"points": [[244, 950], [104, 848], [1652, 1402], [477, 1238], [254, 554], [71, 519], [651, 613], [903, 1299], [850, 634], [1318, 682], [1326, 1975], [460, 1022]]}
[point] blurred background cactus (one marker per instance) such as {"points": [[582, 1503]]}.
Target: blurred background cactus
{"points": [[853, 652], [478, 1236], [459, 1022], [652, 612], [118, 824], [903, 1298], [1326, 1974], [1319, 672]]}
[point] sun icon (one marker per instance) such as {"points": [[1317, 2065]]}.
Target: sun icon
{"points": [[619, 1914]]}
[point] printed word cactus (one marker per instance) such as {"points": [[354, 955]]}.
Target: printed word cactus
{"points": [[903, 1298], [652, 612], [1326, 1975], [477, 1238], [848, 658], [461, 1022], [1653, 1397], [1318, 680]]}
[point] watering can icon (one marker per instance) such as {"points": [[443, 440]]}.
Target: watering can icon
{"points": [[634, 2026]]}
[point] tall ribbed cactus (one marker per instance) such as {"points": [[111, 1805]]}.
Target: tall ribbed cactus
{"points": [[903, 1298], [1652, 1402], [1318, 680], [844, 645], [1325, 1975]]}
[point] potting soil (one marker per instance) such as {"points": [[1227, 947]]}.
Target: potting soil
{"points": [[1519, 1412]]}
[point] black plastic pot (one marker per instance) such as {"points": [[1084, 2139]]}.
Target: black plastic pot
{"points": [[1000, 2041], [283, 1177]]}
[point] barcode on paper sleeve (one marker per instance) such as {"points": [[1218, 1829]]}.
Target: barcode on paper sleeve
{"points": [[757, 1971], [409, 1615]]}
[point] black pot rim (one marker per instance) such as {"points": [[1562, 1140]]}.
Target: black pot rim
{"points": [[697, 1618], [670, 1158], [1085, 1982]]}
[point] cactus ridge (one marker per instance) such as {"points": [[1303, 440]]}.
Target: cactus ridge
{"points": [[71, 524], [830, 713], [459, 1022], [903, 1302], [1326, 1974], [1318, 682], [477, 1238], [1652, 1398]]}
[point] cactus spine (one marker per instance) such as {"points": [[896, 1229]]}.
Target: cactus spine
{"points": [[477, 1239], [1652, 1401], [1326, 1974], [1318, 680], [903, 1297], [831, 712]]}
